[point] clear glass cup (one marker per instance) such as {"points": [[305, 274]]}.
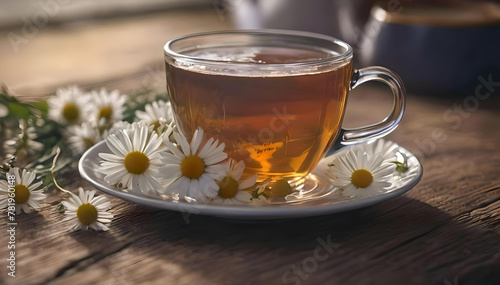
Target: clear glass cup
{"points": [[276, 98]]}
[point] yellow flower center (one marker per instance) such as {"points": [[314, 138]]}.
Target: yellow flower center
{"points": [[280, 189], [192, 167], [87, 214], [156, 125], [71, 113], [88, 142], [361, 178], [105, 112], [22, 194], [136, 162], [228, 187]]}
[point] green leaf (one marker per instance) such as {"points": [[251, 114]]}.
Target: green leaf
{"points": [[401, 166], [17, 110], [43, 106]]}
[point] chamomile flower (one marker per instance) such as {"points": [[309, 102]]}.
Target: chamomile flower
{"points": [[231, 190], [24, 143], [87, 211], [193, 168], [109, 107], [135, 158], [69, 106], [31, 145], [157, 114], [82, 137], [360, 174], [27, 192]]}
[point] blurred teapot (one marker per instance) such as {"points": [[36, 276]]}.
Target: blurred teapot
{"points": [[437, 49]]}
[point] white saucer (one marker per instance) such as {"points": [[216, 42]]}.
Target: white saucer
{"points": [[326, 199]]}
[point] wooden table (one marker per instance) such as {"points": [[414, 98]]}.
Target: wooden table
{"points": [[444, 231]]}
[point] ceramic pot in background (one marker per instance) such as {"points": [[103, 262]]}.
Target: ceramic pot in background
{"points": [[436, 49]]}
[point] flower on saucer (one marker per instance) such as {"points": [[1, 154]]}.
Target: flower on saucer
{"points": [[87, 211], [135, 159], [360, 174], [26, 192], [24, 143], [231, 190], [193, 168], [82, 137], [69, 106], [157, 114], [109, 107]]}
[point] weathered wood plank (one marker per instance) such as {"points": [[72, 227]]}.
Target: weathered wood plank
{"points": [[444, 230]]}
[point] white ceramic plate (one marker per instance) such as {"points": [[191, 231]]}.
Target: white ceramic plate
{"points": [[324, 199]]}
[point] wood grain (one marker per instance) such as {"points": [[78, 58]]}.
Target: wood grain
{"points": [[444, 231]]}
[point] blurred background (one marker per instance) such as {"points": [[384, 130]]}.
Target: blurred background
{"points": [[438, 47]]}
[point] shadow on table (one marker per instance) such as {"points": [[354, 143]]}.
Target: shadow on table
{"points": [[27, 222], [380, 244]]}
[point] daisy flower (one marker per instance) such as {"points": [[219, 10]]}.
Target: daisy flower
{"points": [[82, 137], [69, 106], [193, 168], [26, 192], [30, 144], [135, 158], [157, 114], [24, 143], [109, 107], [87, 211], [360, 174], [231, 190]]}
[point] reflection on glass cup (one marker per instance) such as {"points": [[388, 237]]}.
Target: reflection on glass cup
{"points": [[275, 98]]}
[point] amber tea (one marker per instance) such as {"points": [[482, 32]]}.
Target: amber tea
{"points": [[276, 100], [278, 124]]}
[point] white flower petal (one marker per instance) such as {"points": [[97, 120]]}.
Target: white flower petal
{"points": [[183, 143], [249, 182], [196, 141]]}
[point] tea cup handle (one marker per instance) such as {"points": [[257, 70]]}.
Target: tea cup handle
{"points": [[377, 73]]}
